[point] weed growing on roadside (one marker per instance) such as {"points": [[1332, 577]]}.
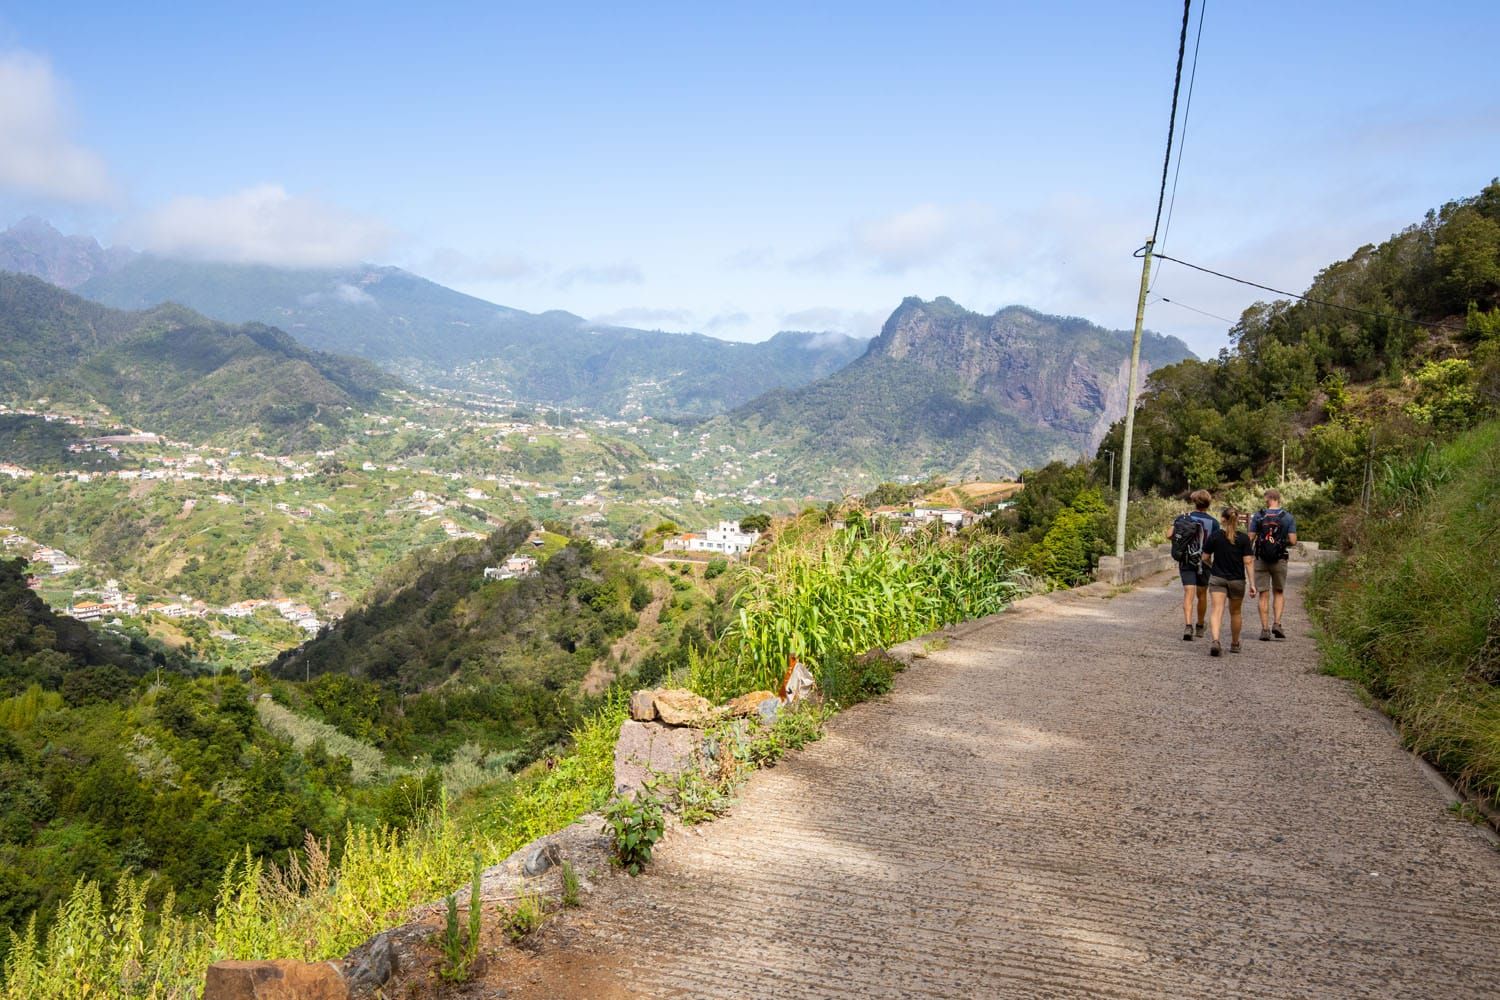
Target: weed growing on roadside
{"points": [[570, 894], [794, 728], [698, 799], [459, 951], [526, 914], [635, 824]]}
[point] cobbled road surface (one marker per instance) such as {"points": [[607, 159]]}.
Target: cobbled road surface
{"points": [[1069, 800]]}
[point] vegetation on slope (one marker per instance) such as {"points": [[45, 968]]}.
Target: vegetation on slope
{"points": [[439, 656], [173, 371], [1413, 614], [1339, 389]]}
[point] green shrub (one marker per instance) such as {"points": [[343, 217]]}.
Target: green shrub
{"points": [[635, 825]]}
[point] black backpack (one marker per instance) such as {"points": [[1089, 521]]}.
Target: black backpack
{"points": [[1270, 536], [1188, 536]]}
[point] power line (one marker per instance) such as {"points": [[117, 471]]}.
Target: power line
{"points": [[1187, 111], [1290, 295], [1166, 162], [1184, 305]]}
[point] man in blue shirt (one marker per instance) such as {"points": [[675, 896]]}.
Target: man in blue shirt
{"points": [[1273, 532], [1194, 571]]}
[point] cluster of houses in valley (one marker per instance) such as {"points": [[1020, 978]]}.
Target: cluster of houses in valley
{"points": [[57, 561], [725, 539], [112, 602]]}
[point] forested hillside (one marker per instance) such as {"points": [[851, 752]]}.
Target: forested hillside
{"points": [[1401, 345], [172, 371], [440, 656]]}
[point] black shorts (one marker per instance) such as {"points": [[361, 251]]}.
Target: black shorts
{"points": [[1193, 576]]}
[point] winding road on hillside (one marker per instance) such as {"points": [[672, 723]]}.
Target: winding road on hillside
{"points": [[1068, 800]]}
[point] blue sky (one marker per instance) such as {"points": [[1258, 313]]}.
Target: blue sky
{"points": [[739, 172]]}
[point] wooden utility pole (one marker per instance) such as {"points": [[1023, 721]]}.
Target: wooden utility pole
{"points": [[1135, 363]]}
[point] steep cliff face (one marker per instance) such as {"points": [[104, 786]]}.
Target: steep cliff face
{"points": [[1059, 372], [948, 391]]}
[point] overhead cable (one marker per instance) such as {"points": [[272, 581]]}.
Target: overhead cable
{"points": [[1292, 295], [1187, 111], [1166, 163]]}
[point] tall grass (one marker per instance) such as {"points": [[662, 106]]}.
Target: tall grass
{"points": [[1414, 614], [314, 906], [823, 596]]}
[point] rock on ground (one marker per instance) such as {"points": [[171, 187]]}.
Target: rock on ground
{"points": [[281, 979]]}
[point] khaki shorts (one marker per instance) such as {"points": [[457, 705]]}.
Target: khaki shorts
{"points": [[1235, 589], [1270, 576]]}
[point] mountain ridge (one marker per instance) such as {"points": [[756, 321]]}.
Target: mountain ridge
{"points": [[442, 336], [946, 391], [173, 371]]}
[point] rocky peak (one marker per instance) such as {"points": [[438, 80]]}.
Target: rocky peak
{"points": [[34, 246]]}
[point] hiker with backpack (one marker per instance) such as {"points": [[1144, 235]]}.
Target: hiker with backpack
{"points": [[1190, 534], [1230, 563], [1273, 532]]}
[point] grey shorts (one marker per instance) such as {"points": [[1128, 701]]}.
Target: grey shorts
{"points": [[1193, 576], [1234, 588], [1270, 576]]}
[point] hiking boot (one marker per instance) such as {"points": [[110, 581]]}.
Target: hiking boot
{"points": [[1198, 629], [1265, 635], [1216, 649], [1234, 647], [1276, 631], [1187, 633]]}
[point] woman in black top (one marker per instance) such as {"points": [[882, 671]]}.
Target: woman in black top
{"points": [[1230, 563]]}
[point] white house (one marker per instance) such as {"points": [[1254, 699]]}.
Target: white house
{"points": [[953, 518], [725, 539], [512, 568]]}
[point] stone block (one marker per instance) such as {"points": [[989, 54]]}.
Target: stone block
{"points": [[748, 704], [677, 707], [647, 748], [643, 706], [281, 979]]}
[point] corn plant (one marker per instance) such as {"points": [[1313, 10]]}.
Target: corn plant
{"points": [[820, 596]]}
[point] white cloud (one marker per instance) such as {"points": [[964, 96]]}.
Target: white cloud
{"points": [[624, 273], [260, 225], [726, 320], [459, 266], [37, 155], [646, 316], [830, 319], [344, 294], [917, 237]]}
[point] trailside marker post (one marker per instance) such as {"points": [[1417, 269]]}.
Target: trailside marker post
{"points": [[1135, 363]]}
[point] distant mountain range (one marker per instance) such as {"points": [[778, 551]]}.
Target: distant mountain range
{"points": [[951, 392], [942, 390], [170, 370], [441, 336]]}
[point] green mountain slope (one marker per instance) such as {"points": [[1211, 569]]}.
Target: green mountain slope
{"points": [[443, 656], [173, 371], [950, 392]]}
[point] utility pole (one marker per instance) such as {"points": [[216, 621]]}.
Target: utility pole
{"points": [[1135, 363], [1283, 462]]}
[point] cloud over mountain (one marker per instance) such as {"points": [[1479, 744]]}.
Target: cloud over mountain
{"points": [[38, 156], [262, 224]]}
